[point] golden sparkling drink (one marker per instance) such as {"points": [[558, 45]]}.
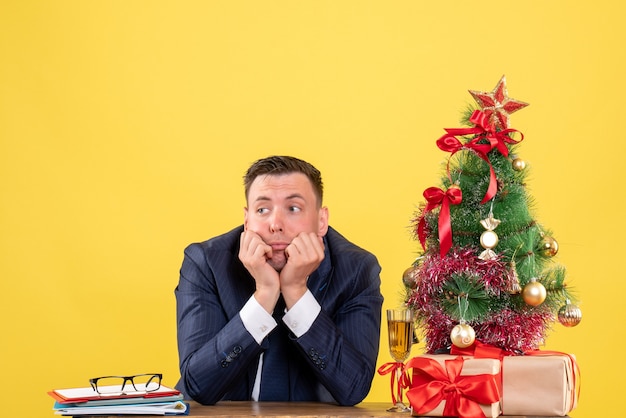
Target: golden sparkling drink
{"points": [[400, 339]]}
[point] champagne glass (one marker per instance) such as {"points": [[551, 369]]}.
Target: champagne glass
{"points": [[400, 329]]}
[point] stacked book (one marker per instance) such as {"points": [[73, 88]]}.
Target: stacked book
{"points": [[86, 401]]}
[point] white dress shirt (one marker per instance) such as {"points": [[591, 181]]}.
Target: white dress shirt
{"points": [[260, 323]]}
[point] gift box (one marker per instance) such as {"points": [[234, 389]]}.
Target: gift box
{"points": [[539, 383], [447, 385]]}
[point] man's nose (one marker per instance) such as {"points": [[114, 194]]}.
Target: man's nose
{"points": [[276, 223]]}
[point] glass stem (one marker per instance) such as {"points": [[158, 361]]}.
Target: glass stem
{"points": [[399, 385]]}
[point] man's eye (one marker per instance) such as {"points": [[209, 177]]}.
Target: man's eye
{"points": [[295, 209], [261, 211]]}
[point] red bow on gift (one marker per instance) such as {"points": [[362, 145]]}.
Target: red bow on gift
{"points": [[433, 384], [434, 197]]}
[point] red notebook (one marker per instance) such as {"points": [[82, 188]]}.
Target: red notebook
{"points": [[80, 395]]}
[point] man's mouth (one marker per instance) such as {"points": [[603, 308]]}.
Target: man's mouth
{"points": [[279, 246]]}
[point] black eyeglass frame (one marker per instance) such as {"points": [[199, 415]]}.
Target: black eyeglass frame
{"points": [[155, 377]]}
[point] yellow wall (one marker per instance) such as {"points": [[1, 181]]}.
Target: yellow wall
{"points": [[125, 128]]}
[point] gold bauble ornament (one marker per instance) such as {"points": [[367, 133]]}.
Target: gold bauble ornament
{"points": [[462, 335], [409, 277], [518, 164], [549, 246], [534, 293], [570, 315]]}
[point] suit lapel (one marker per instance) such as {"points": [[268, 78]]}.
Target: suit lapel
{"points": [[319, 280], [235, 287]]}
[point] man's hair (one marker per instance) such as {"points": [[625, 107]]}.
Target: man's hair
{"points": [[282, 164]]}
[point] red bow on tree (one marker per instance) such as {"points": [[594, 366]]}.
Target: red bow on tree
{"points": [[434, 197], [482, 130], [497, 139]]}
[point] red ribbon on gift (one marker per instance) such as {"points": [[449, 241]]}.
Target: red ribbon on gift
{"points": [[480, 350], [433, 384], [403, 381], [434, 197], [483, 130]]}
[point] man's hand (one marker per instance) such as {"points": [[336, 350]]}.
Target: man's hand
{"points": [[253, 253], [304, 255]]}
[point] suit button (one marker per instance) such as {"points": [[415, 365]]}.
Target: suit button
{"points": [[224, 364], [236, 350]]}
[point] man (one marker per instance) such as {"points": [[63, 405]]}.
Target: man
{"points": [[282, 308]]}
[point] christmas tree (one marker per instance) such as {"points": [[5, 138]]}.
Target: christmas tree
{"points": [[486, 269]]}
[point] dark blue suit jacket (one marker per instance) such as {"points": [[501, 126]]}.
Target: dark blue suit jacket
{"points": [[334, 361]]}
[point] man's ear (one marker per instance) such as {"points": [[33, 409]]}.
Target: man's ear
{"points": [[323, 221], [245, 218]]}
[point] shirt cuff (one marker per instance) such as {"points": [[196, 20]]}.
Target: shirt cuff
{"points": [[256, 320], [302, 315]]}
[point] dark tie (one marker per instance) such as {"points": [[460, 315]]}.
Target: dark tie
{"points": [[275, 373]]}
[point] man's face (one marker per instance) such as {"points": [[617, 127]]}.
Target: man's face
{"points": [[279, 208]]}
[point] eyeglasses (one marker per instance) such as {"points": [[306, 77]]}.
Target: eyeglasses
{"points": [[115, 385]]}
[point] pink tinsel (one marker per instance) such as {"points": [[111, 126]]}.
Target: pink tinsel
{"points": [[512, 330]]}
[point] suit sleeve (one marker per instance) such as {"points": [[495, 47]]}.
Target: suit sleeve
{"points": [[342, 349], [215, 350]]}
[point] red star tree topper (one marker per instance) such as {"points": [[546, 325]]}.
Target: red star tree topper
{"points": [[497, 105]]}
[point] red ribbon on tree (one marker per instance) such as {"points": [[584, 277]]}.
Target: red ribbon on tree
{"points": [[433, 384], [403, 381], [434, 197], [451, 144], [497, 139], [482, 130]]}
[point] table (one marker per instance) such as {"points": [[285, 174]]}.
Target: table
{"points": [[294, 410]]}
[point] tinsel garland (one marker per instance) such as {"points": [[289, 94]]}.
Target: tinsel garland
{"points": [[512, 327]]}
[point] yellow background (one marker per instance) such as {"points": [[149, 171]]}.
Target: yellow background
{"points": [[126, 126]]}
